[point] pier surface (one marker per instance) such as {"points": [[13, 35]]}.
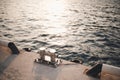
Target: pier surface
{"points": [[23, 67]]}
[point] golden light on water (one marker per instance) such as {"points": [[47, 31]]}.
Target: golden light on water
{"points": [[56, 30], [55, 7], [55, 10]]}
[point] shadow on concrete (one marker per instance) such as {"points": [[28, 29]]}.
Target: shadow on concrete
{"points": [[6, 62]]}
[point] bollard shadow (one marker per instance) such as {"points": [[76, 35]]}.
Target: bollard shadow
{"points": [[6, 63]]}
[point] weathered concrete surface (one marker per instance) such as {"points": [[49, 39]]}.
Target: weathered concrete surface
{"points": [[4, 53], [23, 67]]}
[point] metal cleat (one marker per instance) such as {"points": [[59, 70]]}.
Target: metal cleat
{"points": [[48, 56]]}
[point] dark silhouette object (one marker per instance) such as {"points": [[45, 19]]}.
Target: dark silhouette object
{"points": [[95, 70], [13, 48], [77, 61], [27, 49]]}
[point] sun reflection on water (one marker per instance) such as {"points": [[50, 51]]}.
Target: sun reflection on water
{"points": [[55, 7], [55, 10]]}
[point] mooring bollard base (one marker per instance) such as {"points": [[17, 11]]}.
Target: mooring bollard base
{"points": [[10, 45]]}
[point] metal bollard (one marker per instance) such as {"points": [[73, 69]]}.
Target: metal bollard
{"points": [[10, 45], [42, 53]]}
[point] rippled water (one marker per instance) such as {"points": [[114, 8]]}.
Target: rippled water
{"points": [[78, 29]]}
